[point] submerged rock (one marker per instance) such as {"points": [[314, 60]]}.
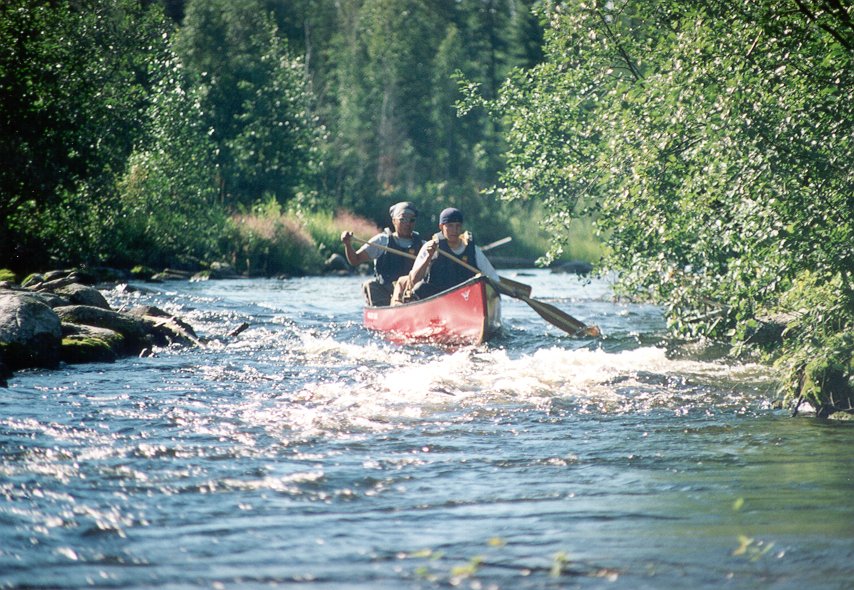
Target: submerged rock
{"points": [[336, 263], [5, 373], [171, 328], [578, 267], [217, 270], [172, 274]]}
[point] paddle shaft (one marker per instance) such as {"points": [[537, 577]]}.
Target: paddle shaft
{"points": [[548, 312], [496, 243], [386, 248], [408, 255], [489, 246]]}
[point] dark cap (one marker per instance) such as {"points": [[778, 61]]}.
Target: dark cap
{"points": [[450, 215], [397, 210]]}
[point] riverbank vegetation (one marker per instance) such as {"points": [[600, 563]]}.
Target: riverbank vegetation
{"points": [[140, 132], [710, 146], [714, 143]]}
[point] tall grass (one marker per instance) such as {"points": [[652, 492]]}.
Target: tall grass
{"points": [[532, 239], [269, 242], [266, 245], [326, 229]]}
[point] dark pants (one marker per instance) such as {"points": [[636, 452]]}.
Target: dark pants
{"points": [[377, 294]]}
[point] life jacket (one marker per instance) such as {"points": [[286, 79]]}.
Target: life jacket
{"points": [[445, 273], [388, 267]]}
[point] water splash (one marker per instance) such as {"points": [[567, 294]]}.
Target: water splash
{"points": [[379, 387]]}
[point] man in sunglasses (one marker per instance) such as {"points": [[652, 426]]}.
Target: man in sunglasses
{"points": [[388, 266]]}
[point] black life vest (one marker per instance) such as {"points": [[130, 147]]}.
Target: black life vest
{"points": [[388, 266], [445, 273]]}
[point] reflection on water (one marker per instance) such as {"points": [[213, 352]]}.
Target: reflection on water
{"points": [[308, 451]]}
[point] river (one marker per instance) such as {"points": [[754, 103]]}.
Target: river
{"points": [[306, 452]]}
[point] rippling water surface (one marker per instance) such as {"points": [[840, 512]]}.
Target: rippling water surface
{"points": [[308, 452]]}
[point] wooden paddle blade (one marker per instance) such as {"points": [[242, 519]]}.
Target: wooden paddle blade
{"points": [[591, 331], [513, 288], [561, 319]]}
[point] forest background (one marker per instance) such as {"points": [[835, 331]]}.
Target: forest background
{"points": [[709, 145]]}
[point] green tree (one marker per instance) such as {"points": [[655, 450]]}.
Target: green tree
{"points": [[449, 153], [256, 99], [714, 142], [394, 130], [170, 212], [74, 79], [383, 138]]}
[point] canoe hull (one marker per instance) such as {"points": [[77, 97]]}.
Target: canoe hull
{"points": [[470, 313]]}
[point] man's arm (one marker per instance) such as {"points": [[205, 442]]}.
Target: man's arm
{"points": [[367, 252], [353, 257], [484, 265], [423, 261]]}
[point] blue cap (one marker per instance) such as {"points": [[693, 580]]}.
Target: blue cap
{"points": [[450, 215]]}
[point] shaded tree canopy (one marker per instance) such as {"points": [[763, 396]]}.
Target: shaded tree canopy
{"points": [[314, 104], [255, 98], [75, 80]]}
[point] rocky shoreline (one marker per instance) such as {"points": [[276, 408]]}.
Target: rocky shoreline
{"points": [[61, 317]]}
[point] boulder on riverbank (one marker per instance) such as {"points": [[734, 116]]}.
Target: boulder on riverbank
{"points": [[82, 295], [133, 330], [30, 332], [87, 344], [60, 317]]}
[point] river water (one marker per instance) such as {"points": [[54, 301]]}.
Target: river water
{"points": [[308, 452]]}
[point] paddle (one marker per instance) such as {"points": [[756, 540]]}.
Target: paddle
{"points": [[508, 284], [496, 243], [521, 291], [548, 312]]}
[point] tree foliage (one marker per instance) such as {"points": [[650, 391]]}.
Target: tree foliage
{"points": [[389, 97], [321, 104], [712, 140], [74, 79], [169, 195], [255, 97]]}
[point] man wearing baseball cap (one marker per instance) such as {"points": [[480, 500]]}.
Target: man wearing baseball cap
{"points": [[432, 273]]}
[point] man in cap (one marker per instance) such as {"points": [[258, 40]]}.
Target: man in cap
{"points": [[388, 266], [433, 273]]}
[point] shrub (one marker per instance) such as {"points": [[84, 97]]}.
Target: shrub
{"points": [[272, 244], [822, 374], [326, 229]]}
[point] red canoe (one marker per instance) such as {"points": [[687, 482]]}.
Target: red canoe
{"points": [[470, 313]]}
